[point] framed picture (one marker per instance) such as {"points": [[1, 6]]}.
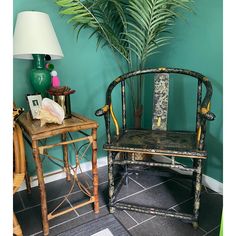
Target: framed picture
{"points": [[35, 103]]}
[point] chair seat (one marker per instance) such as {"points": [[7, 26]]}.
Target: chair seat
{"points": [[169, 143]]}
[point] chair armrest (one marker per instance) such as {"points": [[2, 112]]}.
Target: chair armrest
{"points": [[102, 111], [205, 112], [208, 116]]}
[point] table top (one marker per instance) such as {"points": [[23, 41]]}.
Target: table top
{"points": [[36, 132]]}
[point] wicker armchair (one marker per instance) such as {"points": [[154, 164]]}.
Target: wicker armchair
{"points": [[19, 163]]}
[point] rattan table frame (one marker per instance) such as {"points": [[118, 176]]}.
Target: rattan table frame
{"points": [[33, 133]]}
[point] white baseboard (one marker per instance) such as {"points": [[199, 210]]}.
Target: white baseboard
{"points": [[54, 175], [207, 181], [213, 184]]}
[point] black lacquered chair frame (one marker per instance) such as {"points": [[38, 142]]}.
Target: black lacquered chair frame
{"points": [[191, 144]]}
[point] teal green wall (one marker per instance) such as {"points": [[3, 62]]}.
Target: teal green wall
{"points": [[197, 46], [83, 68]]}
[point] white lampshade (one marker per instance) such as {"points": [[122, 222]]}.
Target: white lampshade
{"points": [[34, 34]]}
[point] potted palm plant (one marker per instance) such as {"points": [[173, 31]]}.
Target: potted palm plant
{"points": [[133, 29]]}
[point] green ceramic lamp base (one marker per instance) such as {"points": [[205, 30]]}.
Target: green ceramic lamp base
{"points": [[40, 77]]}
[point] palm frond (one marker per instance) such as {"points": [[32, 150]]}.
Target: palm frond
{"points": [[92, 14], [147, 22], [133, 27], [136, 29]]}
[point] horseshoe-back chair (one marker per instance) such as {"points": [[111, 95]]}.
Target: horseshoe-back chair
{"points": [[126, 143]]}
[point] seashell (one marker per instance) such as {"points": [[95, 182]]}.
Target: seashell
{"points": [[50, 112]]}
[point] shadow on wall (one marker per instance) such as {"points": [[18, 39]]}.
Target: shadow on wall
{"points": [[214, 139], [214, 164]]}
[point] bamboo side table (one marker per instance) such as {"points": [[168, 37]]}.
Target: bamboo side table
{"points": [[33, 133]]}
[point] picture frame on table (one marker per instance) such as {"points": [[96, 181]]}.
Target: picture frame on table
{"points": [[35, 103]]}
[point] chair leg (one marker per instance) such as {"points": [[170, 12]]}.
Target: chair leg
{"points": [[16, 226], [126, 175], [27, 182], [110, 182], [197, 193], [194, 176], [126, 170]]}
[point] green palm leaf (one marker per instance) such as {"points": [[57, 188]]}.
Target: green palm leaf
{"points": [[129, 27], [148, 19], [98, 16], [136, 29]]}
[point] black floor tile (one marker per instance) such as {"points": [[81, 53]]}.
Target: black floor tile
{"points": [[148, 178], [161, 226], [143, 188], [62, 187], [214, 232], [125, 219], [129, 189], [79, 197], [102, 174], [88, 216], [103, 194], [56, 229], [187, 183], [65, 205], [17, 204], [30, 219], [165, 195], [32, 199], [210, 210], [139, 217], [55, 189]]}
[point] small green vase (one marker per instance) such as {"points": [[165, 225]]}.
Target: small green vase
{"points": [[40, 77]]}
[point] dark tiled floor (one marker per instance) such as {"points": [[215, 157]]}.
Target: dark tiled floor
{"points": [[147, 188]]}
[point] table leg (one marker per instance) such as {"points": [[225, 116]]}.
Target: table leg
{"points": [[27, 182], [27, 178], [95, 170], [41, 187], [65, 156]]}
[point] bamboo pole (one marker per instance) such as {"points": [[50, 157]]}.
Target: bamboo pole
{"points": [[95, 170], [65, 157], [41, 187], [41, 148], [51, 215]]}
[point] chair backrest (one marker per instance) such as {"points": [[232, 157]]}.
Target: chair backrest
{"points": [[19, 163], [161, 88], [160, 101]]}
